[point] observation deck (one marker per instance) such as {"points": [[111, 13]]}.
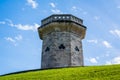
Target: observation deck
{"points": [[62, 18]]}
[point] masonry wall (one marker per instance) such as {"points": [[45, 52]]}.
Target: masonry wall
{"points": [[56, 50], [61, 49], [76, 51]]}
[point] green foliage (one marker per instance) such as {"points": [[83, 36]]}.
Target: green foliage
{"points": [[111, 72]]}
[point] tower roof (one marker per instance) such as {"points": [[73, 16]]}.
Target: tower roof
{"points": [[62, 18]]}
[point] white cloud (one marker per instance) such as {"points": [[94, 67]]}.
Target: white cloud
{"points": [[15, 39], [106, 44], [27, 27], [78, 10], [9, 22], [19, 37], [115, 60], [55, 11], [23, 27], [10, 39], [115, 32], [32, 3], [93, 60], [52, 5], [74, 8], [93, 41], [2, 22]]}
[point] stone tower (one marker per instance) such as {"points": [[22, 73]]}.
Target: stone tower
{"points": [[62, 36]]}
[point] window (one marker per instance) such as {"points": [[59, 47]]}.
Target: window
{"points": [[47, 49], [55, 17], [67, 17], [61, 46], [63, 17], [59, 17], [77, 49]]}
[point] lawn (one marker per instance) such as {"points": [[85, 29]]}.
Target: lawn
{"points": [[111, 72]]}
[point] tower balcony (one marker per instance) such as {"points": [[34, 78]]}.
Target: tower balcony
{"points": [[61, 18]]}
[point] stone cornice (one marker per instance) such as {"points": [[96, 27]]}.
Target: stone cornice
{"points": [[62, 26]]}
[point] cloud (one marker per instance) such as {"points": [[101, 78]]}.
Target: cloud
{"points": [[19, 37], [23, 27], [9, 22], [32, 3], [27, 27], [74, 8], [93, 60], [115, 60], [10, 39], [2, 22], [106, 44], [93, 41], [56, 11], [15, 39], [52, 5], [78, 10], [115, 32]]}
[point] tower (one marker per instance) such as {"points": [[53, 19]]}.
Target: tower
{"points": [[62, 36]]}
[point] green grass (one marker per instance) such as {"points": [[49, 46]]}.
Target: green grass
{"points": [[111, 72]]}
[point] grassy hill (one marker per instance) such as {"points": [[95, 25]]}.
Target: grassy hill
{"points": [[111, 72]]}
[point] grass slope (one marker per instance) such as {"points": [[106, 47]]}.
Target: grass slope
{"points": [[111, 72]]}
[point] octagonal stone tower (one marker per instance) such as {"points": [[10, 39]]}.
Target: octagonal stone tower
{"points": [[62, 45]]}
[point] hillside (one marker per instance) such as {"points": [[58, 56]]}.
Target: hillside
{"points": [[111, 72]]}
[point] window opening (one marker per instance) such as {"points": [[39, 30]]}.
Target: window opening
{"points": [[77, 49], [61, 46], [47, 49]]}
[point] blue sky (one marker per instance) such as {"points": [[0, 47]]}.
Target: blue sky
{"points": [[20, 46]]}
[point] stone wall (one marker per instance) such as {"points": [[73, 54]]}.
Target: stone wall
{"points": [[61, 49], [76, 51], [56, 50]]}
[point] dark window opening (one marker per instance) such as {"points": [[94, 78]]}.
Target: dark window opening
{"points": [[77, 49], [61, 46], [47, 49]]}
